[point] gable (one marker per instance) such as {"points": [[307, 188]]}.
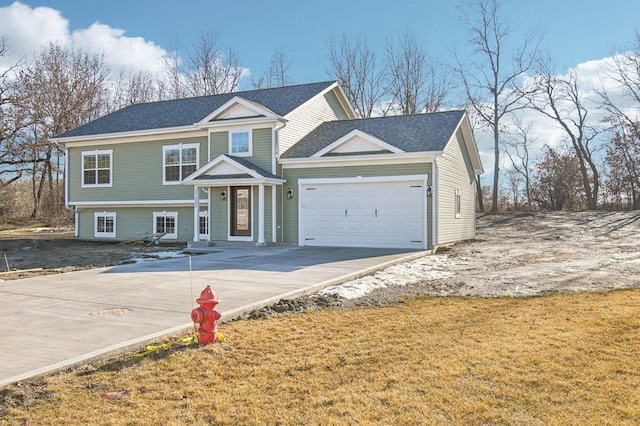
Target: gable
{"points": [[225, 169], [237, 111], [357, 142], [238, 108]]}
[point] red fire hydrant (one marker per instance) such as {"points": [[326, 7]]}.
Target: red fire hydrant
{"points": [[206, 316]]}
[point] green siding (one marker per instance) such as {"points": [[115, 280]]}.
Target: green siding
{"points": [[136, 222], [262, 149], [137, 173], [290, 206], [219, 215], [219, 143]]}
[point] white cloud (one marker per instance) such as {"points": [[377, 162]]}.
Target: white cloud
{"points": [[27, 29], [133, 53]]}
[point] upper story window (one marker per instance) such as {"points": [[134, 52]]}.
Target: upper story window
{"points": [[179, 161], [97, 168], [240, 144]]}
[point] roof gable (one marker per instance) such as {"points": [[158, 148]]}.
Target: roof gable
{"points": [[238, 107], [356, 142], [226, 168]]}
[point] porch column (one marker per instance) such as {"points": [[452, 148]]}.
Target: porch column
{"points": [[274, 218], [196, 214], [261, 241]]}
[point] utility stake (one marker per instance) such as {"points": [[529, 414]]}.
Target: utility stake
{"points": [[6, 261]]}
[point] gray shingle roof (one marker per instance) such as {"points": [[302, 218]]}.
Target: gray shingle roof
{"points": [[184, 112], [410, 133], [249, 165]]}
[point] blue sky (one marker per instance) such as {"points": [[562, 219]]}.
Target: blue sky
{"points": [[576, 31]]}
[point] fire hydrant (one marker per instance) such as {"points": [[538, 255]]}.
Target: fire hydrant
{"points": [[206, 316]]}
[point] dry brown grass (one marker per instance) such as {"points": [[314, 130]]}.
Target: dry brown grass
{"points": [[561, 359]]}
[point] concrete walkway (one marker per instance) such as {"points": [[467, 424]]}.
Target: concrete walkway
{"points": [[53, 322]]}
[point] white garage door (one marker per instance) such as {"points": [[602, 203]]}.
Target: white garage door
{"points": [[363, 214]]}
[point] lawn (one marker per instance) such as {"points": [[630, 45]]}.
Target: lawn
{"points": [[562, 359]]}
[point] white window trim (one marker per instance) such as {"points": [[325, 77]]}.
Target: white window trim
{"points": [[97, 234], [96, 153], [179, 147], [204, 213], [241, 154], [457, 203], [156, 215]]}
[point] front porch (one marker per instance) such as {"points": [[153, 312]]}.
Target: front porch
{"points": [[242, 203]]}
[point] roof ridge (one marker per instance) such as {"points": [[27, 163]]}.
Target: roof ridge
{"points": [[399, 116]]}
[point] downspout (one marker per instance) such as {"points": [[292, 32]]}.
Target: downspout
{"points": [[66, 193], [276, 156], [434, 204]]}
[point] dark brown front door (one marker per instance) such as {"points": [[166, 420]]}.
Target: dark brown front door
{"points": [[241, 211]]}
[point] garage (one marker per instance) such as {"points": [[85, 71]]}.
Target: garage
{"points": [[363, 212]]}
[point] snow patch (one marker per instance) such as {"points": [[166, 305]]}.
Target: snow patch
{"points": [[159, 255], [430, 267]]}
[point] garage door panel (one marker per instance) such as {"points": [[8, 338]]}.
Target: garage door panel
{"points": [[369, 214]]}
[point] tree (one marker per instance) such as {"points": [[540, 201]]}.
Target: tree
{"points": [[490, 80], [623, 168], [622, 104], [625, 72], [560, 99], [277, 73], [12, 121], [517, 149], [556, 182], [61, 89], [360, 73], [416, 82], [172, 85], [133, 88], [212, 71]]}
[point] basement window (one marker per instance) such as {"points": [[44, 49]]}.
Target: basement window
{"points": [[104, 224]]}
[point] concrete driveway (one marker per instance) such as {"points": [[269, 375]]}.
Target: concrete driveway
{"points": [[53, 322]]}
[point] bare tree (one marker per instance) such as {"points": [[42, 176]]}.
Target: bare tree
{"points": [[490, 80], [560, 99], [622, 105], [625, 71], [417, 83], [61, 90], [277, 75], [12, 121], [133, 88], [517, 149], [623, 168], [359, 71], [212, 71], [172, 84]]}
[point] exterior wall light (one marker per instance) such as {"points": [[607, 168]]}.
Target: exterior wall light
{"points": [[223, 195], [429, 191], [290, 193]]}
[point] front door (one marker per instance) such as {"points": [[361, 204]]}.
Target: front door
{"points": [[240, 211]]}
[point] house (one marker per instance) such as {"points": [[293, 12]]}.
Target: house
{"points": [[282, 165]]}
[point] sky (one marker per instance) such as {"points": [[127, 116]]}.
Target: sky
{"points": [[137, 34]]}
